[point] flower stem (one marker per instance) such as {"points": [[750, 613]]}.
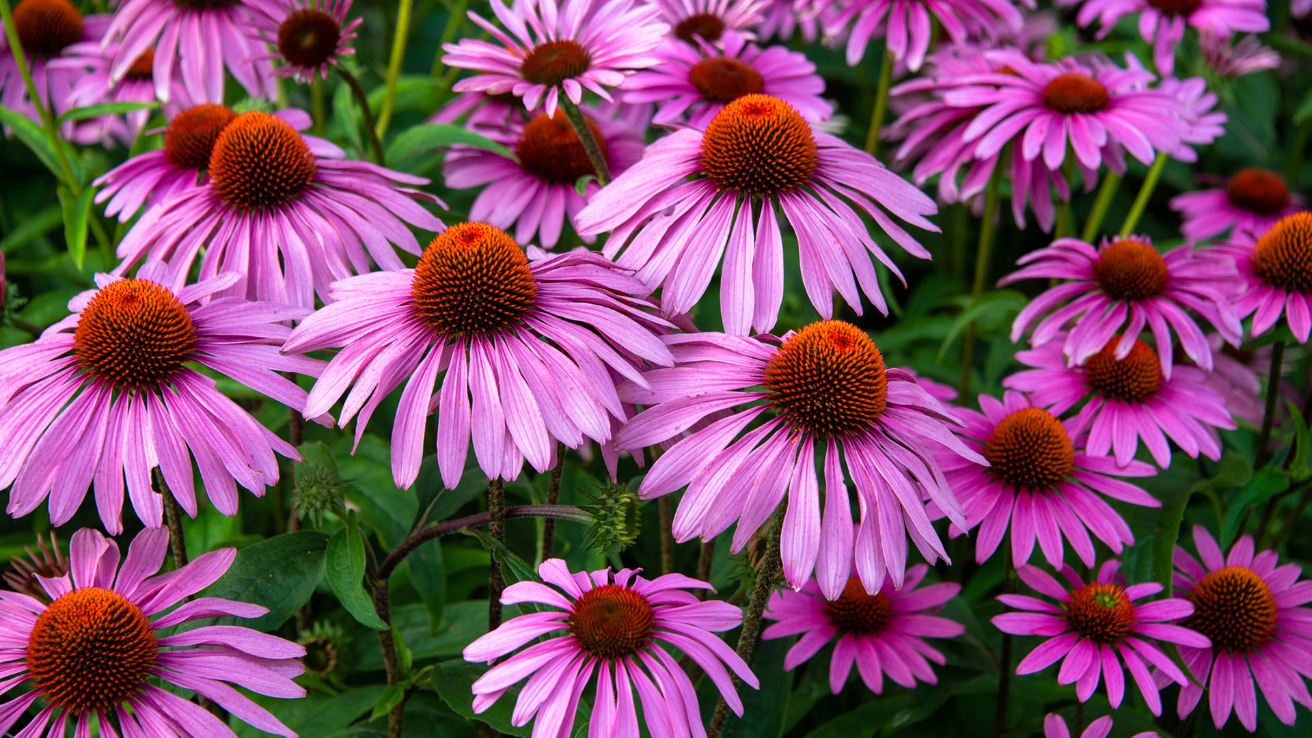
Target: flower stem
{"points": [[881, 105], [173, 518], [375, 142], [1004, 658], [665, 507], [1145, 192], [1106, 193], [386, 641], [765, 576], [318, 105], [983, 257], [496, 508], [394, 66], [1269, 414], [553, 497], [584, 131], [704, 561]]}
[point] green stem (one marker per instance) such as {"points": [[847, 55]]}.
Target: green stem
{"points": [[1145, 193], [1004, 659], [449, 33], [1269, 415], [318, 106], [983, 257], [394, 65], [375, 142], [881, 105], [1106, 194], [1065, 220], [47, 117], [496, 582], [584, 131]]}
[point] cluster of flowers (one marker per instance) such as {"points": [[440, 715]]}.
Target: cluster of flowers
{"points": [[538, 351]]}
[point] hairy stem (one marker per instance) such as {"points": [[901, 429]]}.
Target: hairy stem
{"points": [[404, 12], [983, 257], [173, 518], [704, 561], [386, 642], [553, 497], [1145, 193], [581, 127], [665, 507], [881, 105], [765, 576], [496, 507], [1269, 414], [375, 140]]}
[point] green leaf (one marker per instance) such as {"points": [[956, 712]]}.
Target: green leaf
{"points": [[436, 502], [1166, 535], [347, 116], [95, 111], [581, 186], [462, 622], [345, 565], [428, 576], [453, 680], [32, 227], [32, 136], [317, 714], [77, 210], [513, 567], [996, 303], [391, 697], [439, 135], [1267, 483], [279, 573], [1299, 467]]}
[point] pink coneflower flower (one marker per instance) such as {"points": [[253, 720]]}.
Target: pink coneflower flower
{"points": [[108, 393], [1040, 481], [95, 649], [1205, 124], [530, 340], [761, 152], [883, 631], [480, 111], [1253, 200], [708, 20], [1128, 399], [94, 87], [783, 18], [47, 561], [1097, 108], [696, 82], [537, 189], [1055, 727], [306, 37], [1300, 8], [907, 25], [1124, 286], [1276, 270], [1253, 612], [826, 388], [621, 626], [201, 37], [1097, 631], [46, 28], [1243, 58], [591, 44], [1237, 376], [152, 176], [287, 211], [1163, 22]]}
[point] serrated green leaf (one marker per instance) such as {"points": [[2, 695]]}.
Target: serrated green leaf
{"points": [[439, 135], [96, 111], [279, 573], [1264, 485], [76, 211], [345, 566]]}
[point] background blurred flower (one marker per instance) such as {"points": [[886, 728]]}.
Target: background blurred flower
{"points": [[307, 37], [1275, 269], [1253, 200], [1163, 22]]}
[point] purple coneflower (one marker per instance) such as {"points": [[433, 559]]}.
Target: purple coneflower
{"points": [[1041, 482], [480, 111], [1093, 107], [620, 626], [1253, 200], [592, 44], [287, 211], [693, 199], [94, 87], [783, 18], [1204, 124], [152, 176], [108, 393], [537, 189], [46, 28], [1237, 376], [1124, 286], [1254, 613], [94, 650], [1163, 22], [1098, 632], [1055, 727], [308, 37], [47, 561], [708, 20], [1276, 269], [907, 25], [199, 37], [1128, 399], [883, 631], [696, 82], [826, 389], [531, 341], [1243, 58]]}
